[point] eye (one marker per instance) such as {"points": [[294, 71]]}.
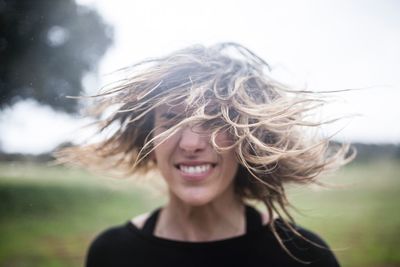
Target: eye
{"points": [[169, 120], [167, 125], [212, 124]]}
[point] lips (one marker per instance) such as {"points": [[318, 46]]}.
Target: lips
{"points": [[195, 169]]}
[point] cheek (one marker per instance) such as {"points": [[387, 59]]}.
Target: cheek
{"points": [[230, 165], [163, 151], [224, 139], [164, 145], [160, 152]]}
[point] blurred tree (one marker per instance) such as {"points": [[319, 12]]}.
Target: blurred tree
{"points": [[46, 46]]}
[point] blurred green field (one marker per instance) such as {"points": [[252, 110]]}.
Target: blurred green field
{"points": [[49, 215]]}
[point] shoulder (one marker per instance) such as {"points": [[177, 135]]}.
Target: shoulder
{"points": [[306, 245], [108, 237], [108, 245], [139, 220], [297, 233]]}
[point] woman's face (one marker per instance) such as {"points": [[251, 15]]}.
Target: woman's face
{"points": [[194, 172]]}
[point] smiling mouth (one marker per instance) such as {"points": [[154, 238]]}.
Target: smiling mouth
{"points": [[195, 169]]}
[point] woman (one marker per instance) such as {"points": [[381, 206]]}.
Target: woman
{"points": [[222, 133]]}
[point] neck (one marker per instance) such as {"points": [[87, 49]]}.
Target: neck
{"points": [[219, 219]]}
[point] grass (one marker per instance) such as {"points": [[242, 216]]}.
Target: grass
{"points": [[49, 215], [361, 220]]}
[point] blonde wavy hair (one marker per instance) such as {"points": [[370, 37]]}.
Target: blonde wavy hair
{"points": [[224, 87]]}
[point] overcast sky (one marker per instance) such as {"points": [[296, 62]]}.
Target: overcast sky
{"points": [[324, 45]]}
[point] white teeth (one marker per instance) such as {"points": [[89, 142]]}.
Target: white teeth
{"points": [[195, 169]]}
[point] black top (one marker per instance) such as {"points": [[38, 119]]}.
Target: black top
{"points": [[126, 245]]}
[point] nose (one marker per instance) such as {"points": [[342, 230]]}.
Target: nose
{"points": [[192, 141]]}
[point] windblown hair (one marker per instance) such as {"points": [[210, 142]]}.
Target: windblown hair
{"points": [[225, 87]]}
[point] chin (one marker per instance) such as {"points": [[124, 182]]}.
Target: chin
{"points": [[196, 203], [196, 200]]}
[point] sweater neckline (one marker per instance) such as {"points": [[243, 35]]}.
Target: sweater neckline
{"points": [[253, 227]]}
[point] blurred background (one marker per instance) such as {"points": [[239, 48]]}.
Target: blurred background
{"points": [[51, 49]]}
